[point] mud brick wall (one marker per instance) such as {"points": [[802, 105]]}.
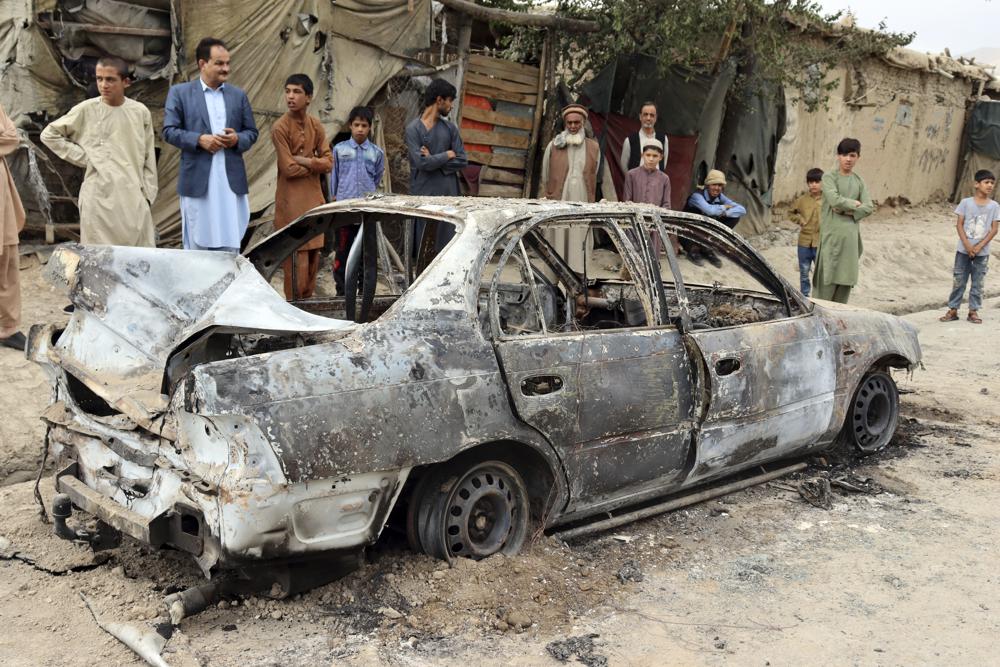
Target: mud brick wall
{"points": [[909, 123]]}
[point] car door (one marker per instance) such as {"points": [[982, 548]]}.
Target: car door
{"points": [[771, 383], [613, 401]]}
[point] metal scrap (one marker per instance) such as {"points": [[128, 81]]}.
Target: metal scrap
{"points": [[144, 642], [851, 482], [816, 492]]}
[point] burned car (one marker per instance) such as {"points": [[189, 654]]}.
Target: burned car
{"points": [[547, 365]]}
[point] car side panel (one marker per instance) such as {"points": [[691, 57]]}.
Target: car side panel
{"points": [[396, 395], [860, 339], [778, 401]]}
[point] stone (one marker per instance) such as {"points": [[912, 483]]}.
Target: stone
{"points": [[518, 619], [390, 613]]}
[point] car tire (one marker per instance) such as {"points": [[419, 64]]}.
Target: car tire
{"points": [[873, 414], [471, 510]]}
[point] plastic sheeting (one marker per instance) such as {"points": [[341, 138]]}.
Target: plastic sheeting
{"points": [[71, 32], [349, 48], [982, 148], [984, 129], [752, 153], [31, 78]]}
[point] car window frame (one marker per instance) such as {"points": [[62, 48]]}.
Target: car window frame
{"points": [[747, 258], [631, 255]]}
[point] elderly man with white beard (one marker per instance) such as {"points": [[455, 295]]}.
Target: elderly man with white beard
{"points": [[571, 161], [569, 172]]}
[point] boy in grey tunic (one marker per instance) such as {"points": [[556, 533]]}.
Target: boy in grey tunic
{"points": [[436, 151]]}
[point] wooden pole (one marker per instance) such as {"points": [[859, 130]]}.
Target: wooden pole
{"points": [[520, 18], [464, 42], [536, 123]]}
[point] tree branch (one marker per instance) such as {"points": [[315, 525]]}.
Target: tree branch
{"points": [[520, 18]]}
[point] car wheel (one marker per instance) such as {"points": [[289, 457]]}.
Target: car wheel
{"points": [[469, 510], [873, 414]]}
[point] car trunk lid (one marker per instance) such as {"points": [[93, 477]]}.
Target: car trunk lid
{"points": [[135, 306]]}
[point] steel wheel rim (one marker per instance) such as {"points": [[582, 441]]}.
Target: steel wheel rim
{"points": [[482, 511], [873, 413]]}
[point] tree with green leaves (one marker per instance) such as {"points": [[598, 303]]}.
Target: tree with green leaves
{"points": [[772, 43]]}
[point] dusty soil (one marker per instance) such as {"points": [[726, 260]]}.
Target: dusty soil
{"points": [[903, 576]]}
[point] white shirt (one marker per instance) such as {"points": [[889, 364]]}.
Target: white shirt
{"points": [[220, 218], [644, 139]]}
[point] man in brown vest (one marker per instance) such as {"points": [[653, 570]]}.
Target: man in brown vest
{"points": [[570, 164], [569, 173]]}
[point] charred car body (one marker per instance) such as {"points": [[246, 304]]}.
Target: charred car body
{"points": [[545, 366]]}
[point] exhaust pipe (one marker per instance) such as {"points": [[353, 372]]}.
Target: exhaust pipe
{"points": [[101, 538], [62, 510]]}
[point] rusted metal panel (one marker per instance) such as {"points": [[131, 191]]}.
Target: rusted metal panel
{"points": [[136, 306], [108, 511], [772, 390], [554, 411]]}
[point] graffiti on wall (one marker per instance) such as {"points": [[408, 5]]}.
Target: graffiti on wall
{"points": [[932, 158]]}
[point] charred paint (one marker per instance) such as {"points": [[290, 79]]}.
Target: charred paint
{"points": [[293, 433]]}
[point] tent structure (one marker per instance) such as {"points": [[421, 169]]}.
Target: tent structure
{"points": [[350, 48], [703, 133], [981, 149]]}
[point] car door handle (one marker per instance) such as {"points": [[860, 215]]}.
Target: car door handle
{"points": [[539, 385], [727, 366]]}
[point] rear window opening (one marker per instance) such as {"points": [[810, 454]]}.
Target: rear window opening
{"points": [[369, 282], [361, 273]]}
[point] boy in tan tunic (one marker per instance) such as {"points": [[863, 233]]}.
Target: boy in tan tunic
{"points": [[111, 137], [11, 223], [805, 213], [303, 157]]}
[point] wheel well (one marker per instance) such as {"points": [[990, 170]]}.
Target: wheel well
{"points": [[532, 466], [890, 361]]}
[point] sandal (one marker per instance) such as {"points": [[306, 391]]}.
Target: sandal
{"points": [[974, 317], [950, 316]]}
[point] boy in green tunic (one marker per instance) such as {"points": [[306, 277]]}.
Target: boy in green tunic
{"points": [[845, 203]]}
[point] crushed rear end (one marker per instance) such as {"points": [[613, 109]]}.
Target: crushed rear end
{"points": [[136, 444]]}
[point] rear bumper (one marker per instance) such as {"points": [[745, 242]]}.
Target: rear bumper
{"points": [[237, 517], [181, 527]]}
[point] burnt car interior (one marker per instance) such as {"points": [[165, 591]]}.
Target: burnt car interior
{"points": [[741, 291], [536, 290]]}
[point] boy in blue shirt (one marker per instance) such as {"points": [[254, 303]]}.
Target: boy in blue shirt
{"points": [[978, 217], [358, 165]]}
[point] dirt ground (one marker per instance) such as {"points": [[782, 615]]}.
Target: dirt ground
{"points": [[899, 577]]}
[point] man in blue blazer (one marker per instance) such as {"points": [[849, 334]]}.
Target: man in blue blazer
{"points": [[212, 123]]}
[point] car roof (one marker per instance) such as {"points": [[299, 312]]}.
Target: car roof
{"points": [[490, 213]]}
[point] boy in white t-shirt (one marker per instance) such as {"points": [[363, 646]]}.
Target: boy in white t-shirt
{"points": [[978, 217]]}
